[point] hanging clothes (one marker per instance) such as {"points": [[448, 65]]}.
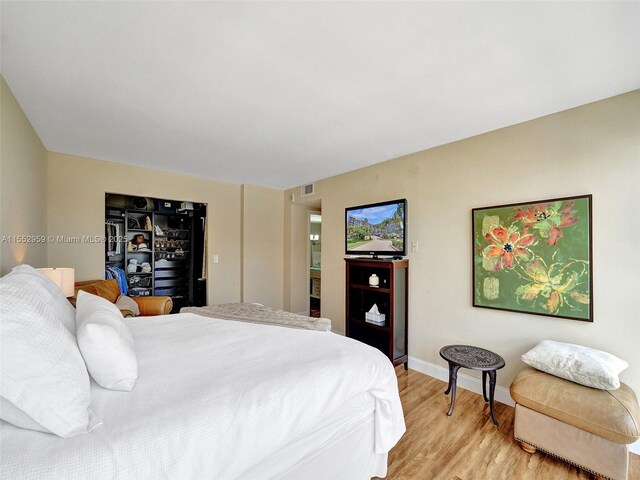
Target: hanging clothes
{"points": [[120, 276], [112, 232]]}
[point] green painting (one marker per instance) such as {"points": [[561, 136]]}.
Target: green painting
{"points": [[535, 258]]}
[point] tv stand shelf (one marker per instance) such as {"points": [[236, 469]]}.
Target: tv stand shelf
{"points": [[391, 297], [373, 289], [362, 322]]}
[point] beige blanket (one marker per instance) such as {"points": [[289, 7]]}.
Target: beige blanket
{"points": [[255, 313]]}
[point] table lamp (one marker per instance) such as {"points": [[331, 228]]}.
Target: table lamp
{"points": [[62, 277]]}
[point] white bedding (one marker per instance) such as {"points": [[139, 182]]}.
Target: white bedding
{"points": [[340, 448], [214, 398]]}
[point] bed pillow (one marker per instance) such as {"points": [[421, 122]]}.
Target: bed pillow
{"points": [[44, 382], [106, 343], [50, 292], [583, 365]]}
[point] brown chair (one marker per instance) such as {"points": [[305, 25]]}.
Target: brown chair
{"points": [[586, 427], [108, 289]]}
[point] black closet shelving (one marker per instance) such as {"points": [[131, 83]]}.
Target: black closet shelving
{"points": [[139, 262], [172, 257], [114, 230], [161, 247]]}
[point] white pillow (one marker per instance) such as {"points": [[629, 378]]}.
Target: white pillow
{"points": [[51, 293], [106, 343], [44, 384], [583, 365]]}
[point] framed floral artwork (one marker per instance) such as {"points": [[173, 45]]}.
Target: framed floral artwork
{"points": [[535, 257]]}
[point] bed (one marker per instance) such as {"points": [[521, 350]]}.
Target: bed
{"points": [[221, 399]]}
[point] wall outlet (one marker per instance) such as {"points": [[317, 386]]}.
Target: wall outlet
{"points": [[215, 259]]}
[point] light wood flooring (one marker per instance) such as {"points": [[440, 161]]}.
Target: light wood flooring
{"points": [[466, 446]]}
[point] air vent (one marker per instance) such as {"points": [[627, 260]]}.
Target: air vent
{"points": [[307, 189]]}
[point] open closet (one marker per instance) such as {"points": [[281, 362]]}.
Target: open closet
{"points": [[157, 247]]}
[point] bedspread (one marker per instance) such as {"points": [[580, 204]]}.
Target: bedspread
{"points": [[213, 399], [256, 313]]}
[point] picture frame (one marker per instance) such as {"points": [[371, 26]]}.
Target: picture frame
{"points": [[535, 257]]}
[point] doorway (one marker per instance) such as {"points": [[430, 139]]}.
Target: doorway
{"points": [[314, 259]]}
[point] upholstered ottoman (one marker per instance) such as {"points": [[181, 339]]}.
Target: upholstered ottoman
{"points": [[584, 426]]}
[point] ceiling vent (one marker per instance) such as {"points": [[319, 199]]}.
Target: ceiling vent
{"points": [[307, 189]]}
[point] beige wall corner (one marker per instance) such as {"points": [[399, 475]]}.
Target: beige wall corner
{"points": [[23, 207], [262, 245], [76, 189], [591, 149]]}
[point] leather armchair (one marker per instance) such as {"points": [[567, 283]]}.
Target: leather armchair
{"points": [[150, 306], [108, 289]]}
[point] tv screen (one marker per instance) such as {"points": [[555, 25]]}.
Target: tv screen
{"points": [[376, 229]]}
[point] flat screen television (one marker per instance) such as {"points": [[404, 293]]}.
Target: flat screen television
{"points": [[376, 229]]}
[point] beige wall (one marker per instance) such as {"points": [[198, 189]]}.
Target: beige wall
{"points": [[23, 207], [76, 188], [262, 252], [592, 149]]}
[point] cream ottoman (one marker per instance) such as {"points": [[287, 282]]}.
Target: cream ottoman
{"points": [[586, 427]]}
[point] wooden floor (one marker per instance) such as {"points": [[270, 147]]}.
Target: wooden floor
{"points": [[466, 445]]}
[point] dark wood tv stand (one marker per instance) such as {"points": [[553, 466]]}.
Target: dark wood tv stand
{"points": [[391, 297]]}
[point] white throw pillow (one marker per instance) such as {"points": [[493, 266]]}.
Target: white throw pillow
{"points": [[44, 384], [583, 365], [106, 343]]}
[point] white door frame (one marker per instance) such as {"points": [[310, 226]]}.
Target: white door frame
{"points": [[309, 213]]}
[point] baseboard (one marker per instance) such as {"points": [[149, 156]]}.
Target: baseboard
{"points": [[465, 381], [474, 385]]}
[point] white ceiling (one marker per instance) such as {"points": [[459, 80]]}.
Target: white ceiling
{"points": [[280, 94]]}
